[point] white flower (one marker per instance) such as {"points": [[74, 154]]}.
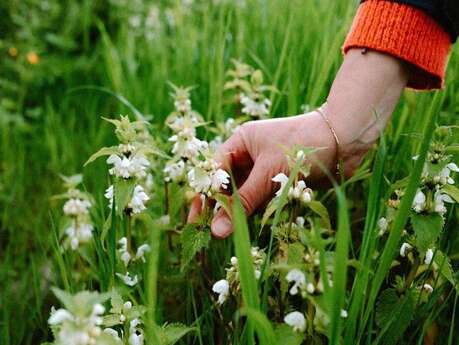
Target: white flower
{"points": [[403, 249], [296, 320], [299, 279], [222, 289], [138, 200], [343, 313], [125, 255], [76, 207], [233, 261], [428, 288], [125, 167], [220, 180], [127, 279], [113, 333], [444, 176], [255, 108], [109, 195], [383, 225], [300, 192], [199, 180], [79, 233], [144, 248], [419, 202], [310, 288], [59, 316], [300, 221], [174, 171], [136, 336], [439, 200], [428, 257], [187, 147], [282, 179]]}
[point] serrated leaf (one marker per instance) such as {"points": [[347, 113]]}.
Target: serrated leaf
{"points": [[192, 241], [173, 332], [104, 151], [394, 314], [318, 208], [123, 193], [427, 228], [452, 191]]}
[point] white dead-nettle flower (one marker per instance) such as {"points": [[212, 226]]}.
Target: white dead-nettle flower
{"points": [[343, 313], [127, 279], [124, 253], [76, 207], [222, 289], [140, 254], [206, 179], [429, 256], [255, 108], [78, 329], [136, 336], [298, 278], [419, 202], [428, 288], [444, 176], [174, 171], [186, 146], [126, 167], [439, 202], [383, 225], [405, 248], [310, 288], [79, 233], [300, 221], [182, 105], [283, 180], [230, 126], [109, 195], [233, 261], [300, 192], [112, 333], [139, 198], [296, 320]]}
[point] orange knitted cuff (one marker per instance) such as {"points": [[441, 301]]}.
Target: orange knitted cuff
{"points": [[405, 32]]}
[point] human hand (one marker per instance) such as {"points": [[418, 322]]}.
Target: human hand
{"points": [[361, 100]]}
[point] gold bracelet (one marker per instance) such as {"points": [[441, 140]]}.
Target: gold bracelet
{"points": [[335, 136]]}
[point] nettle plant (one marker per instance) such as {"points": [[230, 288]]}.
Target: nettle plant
{"points": [[290, 269]]}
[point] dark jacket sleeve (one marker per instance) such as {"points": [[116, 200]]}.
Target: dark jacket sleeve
{"points": [[446, 12]]}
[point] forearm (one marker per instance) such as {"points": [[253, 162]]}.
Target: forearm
{"points": [[362, 98]]}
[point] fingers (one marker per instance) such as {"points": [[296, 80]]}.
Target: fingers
{"points": [[255, 191], [195, 209]]}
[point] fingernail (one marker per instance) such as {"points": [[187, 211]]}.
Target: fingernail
{"points": [[221, 226]]}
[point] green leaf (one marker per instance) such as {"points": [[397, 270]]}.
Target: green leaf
{"points": [[393, 315], [286, 336], [104, 151], [452, 191], [270, 209], [318, 208], [123, 193], [443, 263], [192, 241], [427, 228], [173, 332], [262, 326]]}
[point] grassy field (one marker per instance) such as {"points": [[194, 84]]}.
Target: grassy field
{"points": [[67, 64]]}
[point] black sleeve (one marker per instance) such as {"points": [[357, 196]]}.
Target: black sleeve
{"points": [[446, 12]]}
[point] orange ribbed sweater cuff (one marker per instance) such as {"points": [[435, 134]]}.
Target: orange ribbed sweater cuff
{"points": [[404, 32]]}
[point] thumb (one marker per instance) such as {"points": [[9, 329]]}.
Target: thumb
{"points": [[255, 191]]}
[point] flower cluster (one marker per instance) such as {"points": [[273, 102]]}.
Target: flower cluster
{"points": [[193, 158], [76, 208], [247, 84], [297, 192], [231, 284]]}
